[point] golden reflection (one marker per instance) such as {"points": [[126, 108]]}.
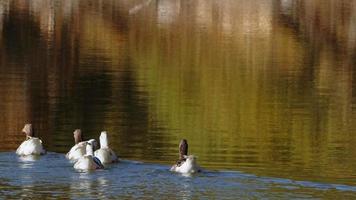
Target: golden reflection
{"points": [[327, 21], [262, 95], [44, 10], [264, 86]]}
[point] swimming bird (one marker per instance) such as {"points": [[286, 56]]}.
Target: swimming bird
{"points": [[105, 154], [32, 145], [186, 164], [88, 162], [79, 149]]}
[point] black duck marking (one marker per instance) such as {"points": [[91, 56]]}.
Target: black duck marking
{"points": [[98, 162], [180, 162]]}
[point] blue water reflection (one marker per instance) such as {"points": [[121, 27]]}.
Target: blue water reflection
{"points": [[53, 176]]}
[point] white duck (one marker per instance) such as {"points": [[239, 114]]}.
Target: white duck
{"points": [[88, 162], [32, 145], [186, 164], [79, 149], [105, 154]]}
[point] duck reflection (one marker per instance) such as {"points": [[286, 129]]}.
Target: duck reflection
{"points": [[186, 189], [89, 184], [28, 161]]}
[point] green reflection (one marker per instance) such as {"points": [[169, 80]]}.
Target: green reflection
{"points": [[253, 85]]}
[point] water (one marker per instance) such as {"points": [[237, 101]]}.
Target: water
{"points": [[53, 176], [263, 90]]}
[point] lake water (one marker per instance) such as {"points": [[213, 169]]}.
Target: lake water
{"points": [[264, 91]]}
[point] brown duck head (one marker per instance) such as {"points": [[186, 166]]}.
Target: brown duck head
{"points": [[27, 129], [77, 136], [183, 149]]}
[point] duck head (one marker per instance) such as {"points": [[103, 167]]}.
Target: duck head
{"points": [[104, 142], [77, 136], [27, 129], [183, 149]]}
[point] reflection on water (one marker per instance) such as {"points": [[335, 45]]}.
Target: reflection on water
{"points": [[27, 161], [264, 87], [141, 180]]}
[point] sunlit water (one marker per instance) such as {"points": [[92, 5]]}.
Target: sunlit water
{"points": [[52, 175], [263, 90]]}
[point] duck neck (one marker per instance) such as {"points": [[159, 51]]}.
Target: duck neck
{"points": [[89, 150], [183, 149], [104, 143], [28, 130], [78, 136]]}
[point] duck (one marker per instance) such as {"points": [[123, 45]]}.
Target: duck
{"points": [[88, 162], [32, 145], [187, 164], [79, 149], [105, 154]]}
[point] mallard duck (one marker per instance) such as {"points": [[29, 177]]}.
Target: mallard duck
{"points": [[32, 145], [105, 154], [88, 161], [79, 149], [186, 164]]}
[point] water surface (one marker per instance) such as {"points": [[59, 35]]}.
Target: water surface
{"points": [[53, 176], [263, 89]]}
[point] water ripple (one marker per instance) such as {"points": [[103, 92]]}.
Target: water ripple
{"points": [[52, 175]]}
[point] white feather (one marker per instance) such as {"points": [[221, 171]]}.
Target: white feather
{"points": [[188, 166], [31, 146], [105, 154], [77, 151], [86, 162]]}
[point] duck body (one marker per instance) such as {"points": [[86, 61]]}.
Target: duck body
{"points": [[88, 162], [186, 166], [31, 146], [105, 154], [77, 151]]}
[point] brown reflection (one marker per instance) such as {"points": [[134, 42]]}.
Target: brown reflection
{"points": [[320, 21], [44, 60], [249, 86], [262, 86]]}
